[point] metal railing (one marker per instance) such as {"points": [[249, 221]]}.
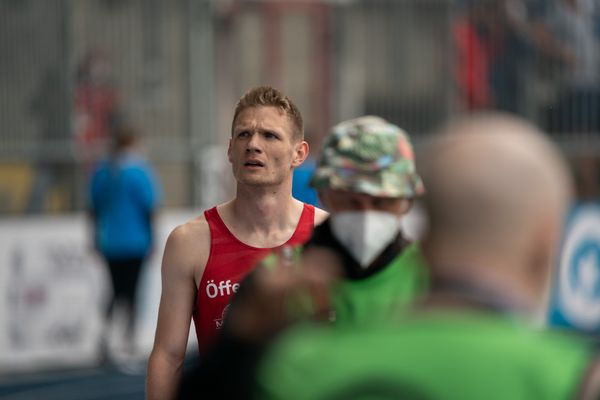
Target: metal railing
{"points": [[70, 70]]}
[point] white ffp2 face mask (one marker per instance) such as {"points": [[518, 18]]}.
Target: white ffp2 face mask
{"points": [[364, 233]]}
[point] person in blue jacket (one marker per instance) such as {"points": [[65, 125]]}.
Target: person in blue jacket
{"points": [[124, 195]]}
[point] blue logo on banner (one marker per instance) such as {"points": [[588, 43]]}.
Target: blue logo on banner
{"points": [[575, 302]]}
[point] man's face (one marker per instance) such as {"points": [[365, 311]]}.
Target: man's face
{"points": [[337, 201], [262, 149]]}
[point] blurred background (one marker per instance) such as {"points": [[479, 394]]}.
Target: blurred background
{"points": [[73, 70]]}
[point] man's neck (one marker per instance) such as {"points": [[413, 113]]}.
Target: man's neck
{"points": [[262, 216], [480, 288], [263, 209]]}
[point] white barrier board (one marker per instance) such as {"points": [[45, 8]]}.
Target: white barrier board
{"points": [[53, 287]]}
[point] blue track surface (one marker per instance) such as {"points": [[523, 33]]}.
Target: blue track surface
{"points": [[80, 384]]}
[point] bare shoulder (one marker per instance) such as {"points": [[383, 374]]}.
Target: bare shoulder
{"points": [[188, 246], [193, 230], [320, 216]]}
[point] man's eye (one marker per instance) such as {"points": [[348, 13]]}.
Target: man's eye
{"points": [[244, 134], [271, 135]]}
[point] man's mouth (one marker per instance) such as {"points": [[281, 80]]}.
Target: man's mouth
{"points": [[253, 163]]}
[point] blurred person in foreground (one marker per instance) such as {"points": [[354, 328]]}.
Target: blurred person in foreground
{"points": [[206, 258], [366, 179], [125, 195], [497, 190]]}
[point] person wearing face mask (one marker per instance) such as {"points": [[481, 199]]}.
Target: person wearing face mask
{"points": [[366, 179]]}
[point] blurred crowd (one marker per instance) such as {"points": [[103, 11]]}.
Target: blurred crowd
{"points": [[507, 47]]}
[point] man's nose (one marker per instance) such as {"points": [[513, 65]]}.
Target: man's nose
{"points": [[253, 143]]}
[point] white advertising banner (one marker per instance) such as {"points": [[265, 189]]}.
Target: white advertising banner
{"points": [[53, 288]]}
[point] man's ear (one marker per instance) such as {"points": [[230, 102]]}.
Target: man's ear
{"points": [[542, 256], [300, 153], [229, 150]]}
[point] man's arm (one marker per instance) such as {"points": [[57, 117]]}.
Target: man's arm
{"points": [[186, 248]]}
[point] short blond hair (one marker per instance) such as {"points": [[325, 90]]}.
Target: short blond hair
{"points": [[267, 96]]}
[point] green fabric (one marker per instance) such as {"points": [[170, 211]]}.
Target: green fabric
{"points": [[377, 297], [428, 356]]}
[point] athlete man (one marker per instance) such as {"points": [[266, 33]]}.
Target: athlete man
{"points": [[205, 258]]}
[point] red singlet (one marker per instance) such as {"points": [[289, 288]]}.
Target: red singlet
{"points": [[228, 263]]}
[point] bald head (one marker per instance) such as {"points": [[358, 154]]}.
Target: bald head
{"points": [[496, 191]]}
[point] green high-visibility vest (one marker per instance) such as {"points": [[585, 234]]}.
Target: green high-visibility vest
{"points": [[427, 356], [377, 297]]}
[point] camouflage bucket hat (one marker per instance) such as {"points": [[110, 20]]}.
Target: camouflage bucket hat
{"points": [[368, 155]]}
